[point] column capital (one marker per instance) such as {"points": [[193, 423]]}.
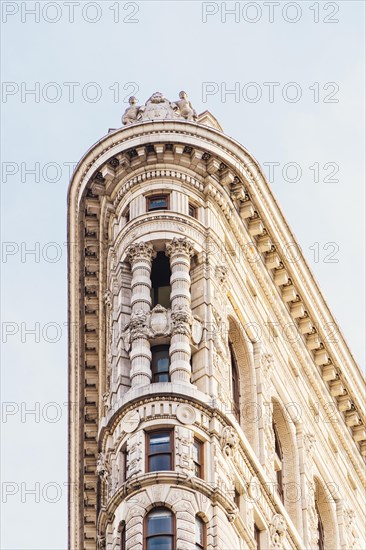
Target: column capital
{"points": [[179, 246], [140, 251]]}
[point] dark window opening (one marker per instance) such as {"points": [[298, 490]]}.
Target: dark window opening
{"points": [[192, 211], [321, 544], [160, 280], [159, 451], [237, 498], [279, 454], [198, 458], [160, 364], [257, 536], [123, 537], [200, 534], [235, 383], [124, 462], [157, 202], [159, 530], [126, 214]]}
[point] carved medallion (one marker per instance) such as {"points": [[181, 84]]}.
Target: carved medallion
{"points": [[131, 421], [186, 414]]}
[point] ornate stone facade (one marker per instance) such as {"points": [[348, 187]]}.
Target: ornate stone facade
{"points": [[185, 297]]}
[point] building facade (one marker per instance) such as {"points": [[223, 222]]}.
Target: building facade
{"points": [[214, 403]]}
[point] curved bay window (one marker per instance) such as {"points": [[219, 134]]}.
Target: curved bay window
{"points": [[200, 534], [159, 530], [278, 462], [160, 280], [160, 364], [159, 450], [235, 383]]}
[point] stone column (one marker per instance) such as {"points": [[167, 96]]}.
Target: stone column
{"points": [[180, 252], [140, 256]]}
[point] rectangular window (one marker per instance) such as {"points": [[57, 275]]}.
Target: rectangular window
{"points": [[198, 458], [192, 211], [159, 450], [157, 202]]}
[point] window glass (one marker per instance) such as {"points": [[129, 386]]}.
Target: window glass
{"points": [[200, 534], [159, 530], [160, 364], [159, 451], [197, 457], [157, 203]]}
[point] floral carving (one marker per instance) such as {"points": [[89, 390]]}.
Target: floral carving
{"points": [[179, 246], [277, 530], [181, 320], [140, 251], [139, 325]]}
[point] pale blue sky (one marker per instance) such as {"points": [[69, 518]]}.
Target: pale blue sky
{"points": [[168, 49]]}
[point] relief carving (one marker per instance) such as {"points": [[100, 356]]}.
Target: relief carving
{"points": [[229, 441], [277, 530], [103, 468], [181, 320]]}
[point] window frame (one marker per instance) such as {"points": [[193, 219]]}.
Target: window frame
{"points": [[173, 535], [154, 349], [147, 449], [201, 455], [198, 545], [150, 198]]}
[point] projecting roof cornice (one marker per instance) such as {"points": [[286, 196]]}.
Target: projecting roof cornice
{"points": [[234, 179]]}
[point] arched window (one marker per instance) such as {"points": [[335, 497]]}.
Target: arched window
{"points": [[278, 462], [160, 364], [200, 534], [159, 530], [320, 530], [160, 280]]}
